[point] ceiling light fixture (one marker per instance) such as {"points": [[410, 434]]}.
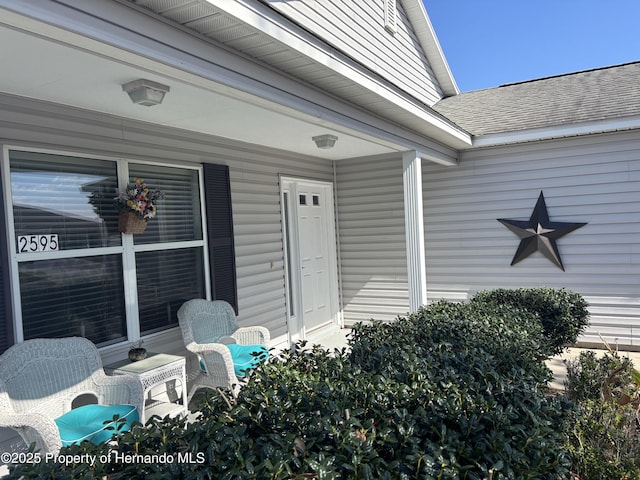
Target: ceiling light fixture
{"points": [[325, 141], [145, 92]]}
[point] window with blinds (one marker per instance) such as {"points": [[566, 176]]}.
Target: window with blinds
{"points": [[167, 279], [69, 197], [168, 276], [179, 218], [73, 265], [69, 297]]}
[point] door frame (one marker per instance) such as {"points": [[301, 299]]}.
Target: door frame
{"points": [[296, 329]]}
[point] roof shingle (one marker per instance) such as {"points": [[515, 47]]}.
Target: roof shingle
{"points": [[599, 94]]}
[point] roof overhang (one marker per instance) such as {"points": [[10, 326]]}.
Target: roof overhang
{"points": [[80, 53]]}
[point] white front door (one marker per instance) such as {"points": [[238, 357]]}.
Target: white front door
{"points": [[310, 249], [314, 262]]}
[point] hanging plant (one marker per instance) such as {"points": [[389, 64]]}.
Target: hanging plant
{"points": [[137, 205]]}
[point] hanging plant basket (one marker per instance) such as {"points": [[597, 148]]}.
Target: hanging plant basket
{"points": [[137, 205], [129, 222]]}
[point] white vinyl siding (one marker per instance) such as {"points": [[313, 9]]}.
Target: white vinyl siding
{"points": [[258, 233], [585, 179], [358, 29], [371, 237], [255, 191]]}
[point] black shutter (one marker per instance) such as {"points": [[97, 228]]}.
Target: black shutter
{"points": [[222, 256], [6, 324]]}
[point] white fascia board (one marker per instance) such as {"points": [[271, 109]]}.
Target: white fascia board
{"points": [[272, 24], [419, 18], [560, 131], [118, 32]]}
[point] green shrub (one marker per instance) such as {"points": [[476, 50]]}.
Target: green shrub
{"points": [[604, 442], [588, 374], [564, 314], [604, 439], [452, 392], [486, 387]]}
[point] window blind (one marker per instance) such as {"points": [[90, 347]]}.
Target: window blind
{"points": [[70, 197], [167, 279], [67, 297], [179, 216]]}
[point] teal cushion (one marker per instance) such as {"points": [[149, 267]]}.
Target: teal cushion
{"points": [[245, 357], [88, 423]]}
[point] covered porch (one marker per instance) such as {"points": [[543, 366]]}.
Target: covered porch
{"points": [[233, 142], [224, 107]]}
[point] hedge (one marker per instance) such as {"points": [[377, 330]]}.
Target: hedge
{"points": [[454, 391], [563, 314]]}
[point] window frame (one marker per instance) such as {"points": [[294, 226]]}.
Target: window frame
{"points": [[127, 250]]}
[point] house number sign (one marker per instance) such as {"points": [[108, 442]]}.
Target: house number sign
{"points": [[37, 243]]}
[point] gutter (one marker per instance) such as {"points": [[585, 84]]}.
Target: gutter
{"points": [[560, 131]]}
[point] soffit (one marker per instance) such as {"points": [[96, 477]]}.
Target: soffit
{"points": [[334, 73]]}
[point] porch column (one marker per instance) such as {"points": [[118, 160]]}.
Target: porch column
{"points": [[414, 229]]}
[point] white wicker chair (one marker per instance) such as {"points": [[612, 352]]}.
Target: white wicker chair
{"points": [[207, 327], [41, 378]]}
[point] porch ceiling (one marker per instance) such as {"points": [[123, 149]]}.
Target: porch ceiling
{"points": [[49, 71], [56, 57]]}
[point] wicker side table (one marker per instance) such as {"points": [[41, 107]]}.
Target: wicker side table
{"points": [[155, 370]]}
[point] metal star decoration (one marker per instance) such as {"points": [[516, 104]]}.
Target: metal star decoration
{"points": [[539, 234]]}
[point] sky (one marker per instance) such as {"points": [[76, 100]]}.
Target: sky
{"points": [[488, 43]]}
